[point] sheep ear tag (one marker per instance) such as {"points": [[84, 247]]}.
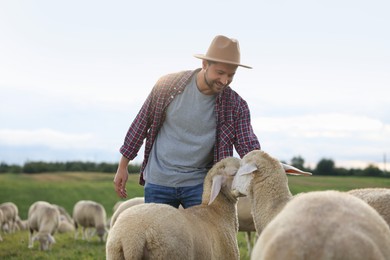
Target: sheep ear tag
{"points": [[294, 171], [51, 239], [215, 187], [246, 169]]}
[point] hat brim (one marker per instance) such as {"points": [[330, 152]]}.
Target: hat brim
{"points": [[203, 57]]}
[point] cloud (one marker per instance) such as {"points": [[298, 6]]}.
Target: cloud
{"points": [[324, 125], [44, 144], [349, 140], [47, 137]]}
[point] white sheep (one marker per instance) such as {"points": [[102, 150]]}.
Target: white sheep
{"points": [[21, 224], [64, 214], [245, 221], [160, 231], [43, 218], [116, 206], [66, 222], [125, 205], [378, 198], [1, 222], [10, 212], [65, 226], [263, 179], [90, 214], [325, 225]]}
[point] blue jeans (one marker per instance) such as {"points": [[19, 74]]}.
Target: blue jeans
{"points": [[185, 196]]}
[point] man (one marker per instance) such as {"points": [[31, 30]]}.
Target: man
{"points": [[191, 120]]}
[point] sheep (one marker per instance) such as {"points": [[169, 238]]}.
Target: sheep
{"points": [[66, 222], [160, 231], [325, 225], [245, 221], [10, 212], [263, 179], [116, 206], [43, 218], [124, 205], [21, 224], [378, 198], [65, 226], [64, 214], [1, 222], [90, 214]]}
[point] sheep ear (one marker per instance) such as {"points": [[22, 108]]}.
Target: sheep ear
{"points": [[294, 171], [246, 169], [215, 187]]}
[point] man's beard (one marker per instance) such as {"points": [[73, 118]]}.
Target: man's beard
{"points": [[210, 85]]}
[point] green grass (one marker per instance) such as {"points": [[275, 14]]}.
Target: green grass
{"points": [[65, 189], [14, 246], [299, 184]]}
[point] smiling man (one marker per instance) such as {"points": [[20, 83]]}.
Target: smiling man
{"points": [[190, 120]]}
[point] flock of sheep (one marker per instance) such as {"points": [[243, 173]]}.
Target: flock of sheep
{"points": [[250, 194], [45, 219]]}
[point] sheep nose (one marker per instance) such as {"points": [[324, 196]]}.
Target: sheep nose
{"points": [[236, 193]]}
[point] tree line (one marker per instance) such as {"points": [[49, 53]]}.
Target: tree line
{"points": [[327, 167], [323, 167], [72, 166]]}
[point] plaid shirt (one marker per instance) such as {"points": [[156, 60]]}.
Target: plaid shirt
{"points": [[232, 116]]}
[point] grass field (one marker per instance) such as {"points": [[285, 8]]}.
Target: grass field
{"points": [[65, 189]]}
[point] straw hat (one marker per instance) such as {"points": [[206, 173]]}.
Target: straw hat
{"points": [[224, 50]]}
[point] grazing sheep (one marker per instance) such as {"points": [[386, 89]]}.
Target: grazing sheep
{"points": [[90, 214], [378, 198], [64, 214], [263, 179], [21, 224], [1, 222], [125, 205], [245, 221], [66, 222], [65, 226], [325, 225], [10, 212], [160, 231], [43, 218]]}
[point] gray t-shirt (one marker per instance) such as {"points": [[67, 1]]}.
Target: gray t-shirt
{"points": [[183, 151]]}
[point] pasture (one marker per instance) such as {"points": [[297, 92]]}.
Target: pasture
{"points": [[65, 189]]}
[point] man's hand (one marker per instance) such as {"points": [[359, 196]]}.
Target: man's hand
{"points": [[120, 180], [121, 177]]}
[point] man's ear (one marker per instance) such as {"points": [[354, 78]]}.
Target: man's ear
{"points": [[205, 64]]}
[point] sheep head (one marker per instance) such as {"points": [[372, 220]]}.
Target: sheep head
{"points": [[260, 163], [219, 176], [45, 240]]}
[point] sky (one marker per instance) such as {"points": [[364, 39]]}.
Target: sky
{"points": [[73, 74]]}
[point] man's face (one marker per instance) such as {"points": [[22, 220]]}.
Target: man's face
{"points": [[218, 75]]}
